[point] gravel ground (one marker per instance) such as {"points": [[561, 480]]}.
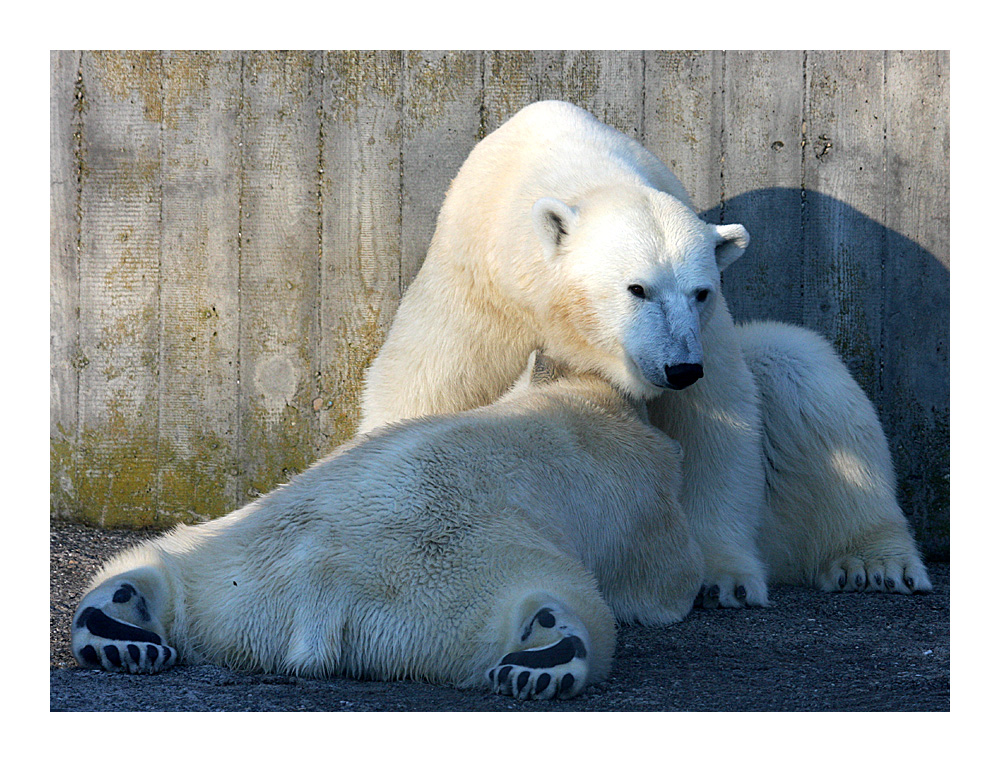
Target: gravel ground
{"points": [[808, 652]]}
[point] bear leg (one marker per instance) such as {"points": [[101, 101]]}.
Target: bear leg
{"points": [[116, 627], [832, 519], [552, 662]]}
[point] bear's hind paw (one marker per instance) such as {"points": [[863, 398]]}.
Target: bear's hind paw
{"points": [[112, 630], [556, 670], [101, 642]]}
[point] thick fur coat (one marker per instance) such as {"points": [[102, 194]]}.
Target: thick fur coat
{"points": [[562, 233]]}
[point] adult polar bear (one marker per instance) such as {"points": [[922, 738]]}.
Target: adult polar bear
{"points": [[560, 232], [493, 547]]}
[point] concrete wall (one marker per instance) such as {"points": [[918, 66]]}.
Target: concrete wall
{"points": [[232, 231]]}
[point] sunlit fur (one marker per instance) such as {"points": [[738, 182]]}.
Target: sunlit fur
{"points": [[832, 519], [503, 275], [417, 551]]}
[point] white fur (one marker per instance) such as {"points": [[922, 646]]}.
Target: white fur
{"points": [[549, 222], [421, 550], [832, 519]]}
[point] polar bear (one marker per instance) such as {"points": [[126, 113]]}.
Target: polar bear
{"points": [[492, 548], [561, 232]]}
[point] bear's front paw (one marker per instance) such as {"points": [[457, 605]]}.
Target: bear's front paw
{"points": [[903, 574]]}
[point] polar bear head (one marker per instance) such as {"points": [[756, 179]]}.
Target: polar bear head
{"points": [[633, 277]]}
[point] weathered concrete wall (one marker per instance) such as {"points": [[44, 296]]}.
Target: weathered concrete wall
{"points": [[231, 233]]}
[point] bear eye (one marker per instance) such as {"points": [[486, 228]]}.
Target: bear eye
{"points": [[701, 294], [637, 291]]}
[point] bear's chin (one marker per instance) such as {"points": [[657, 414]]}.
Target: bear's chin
{"points": [[631, 381], [635, 385]]}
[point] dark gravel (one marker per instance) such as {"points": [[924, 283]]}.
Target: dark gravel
{"points": [[808, 652]]}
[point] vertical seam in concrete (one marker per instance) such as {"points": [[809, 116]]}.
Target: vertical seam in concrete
{"points": [[239, 476], [402, 127], [480, 133], [79, 151], [722, 142], [803, 207], [161, 349], [884, 296], [642, 97], [317, 358]]}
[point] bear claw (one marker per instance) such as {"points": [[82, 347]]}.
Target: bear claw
{"points": [[729, 594], [861, 573]]}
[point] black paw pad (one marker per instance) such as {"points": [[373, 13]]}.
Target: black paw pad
{"points": [[542, 682], [88, 655], [566, 685], [544, 617], [740, 593], [124, 593], [562, 652], [522, 680], [84, 616], [113, 656], [859, 580], [103, 626]]}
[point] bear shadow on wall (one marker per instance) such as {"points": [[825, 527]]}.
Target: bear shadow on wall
{"points": [[882, 299]]}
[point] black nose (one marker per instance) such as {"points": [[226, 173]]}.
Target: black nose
{"points": [[685, 374]]}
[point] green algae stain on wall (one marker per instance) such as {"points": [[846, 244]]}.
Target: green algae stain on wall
{"points": [[100, 479], [195, 486]]}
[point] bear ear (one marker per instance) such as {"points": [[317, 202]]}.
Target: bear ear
{"points": [[553, 221], [732, 241]]}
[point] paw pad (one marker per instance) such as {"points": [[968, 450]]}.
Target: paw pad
{"points": [[555, 670], [101, 641]]}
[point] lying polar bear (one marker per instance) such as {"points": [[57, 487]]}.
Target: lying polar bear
{"points": [[470, 549]]}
